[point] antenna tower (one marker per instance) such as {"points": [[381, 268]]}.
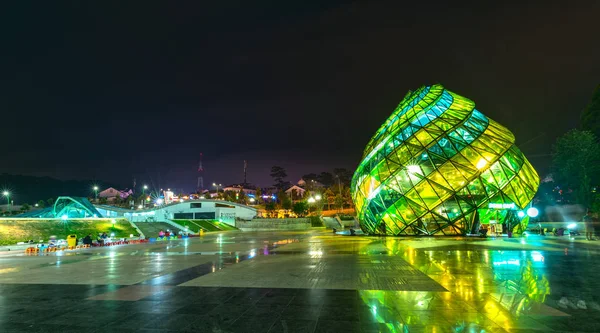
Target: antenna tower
{"points": [[200, 186], [245, 167]]}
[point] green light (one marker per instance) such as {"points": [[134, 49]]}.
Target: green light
{"points": [[434, 163]]}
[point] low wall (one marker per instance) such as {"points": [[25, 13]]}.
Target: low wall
{"points": [[273, 224]]}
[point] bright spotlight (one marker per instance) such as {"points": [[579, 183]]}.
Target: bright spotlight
{"points": [[571, 226], [533, 212], [521, 214], [64, 217], [159, 201], [413, 169], [481, 164], [318, 197]]}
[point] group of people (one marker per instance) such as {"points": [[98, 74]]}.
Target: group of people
{"points": [[87, 240], [167, 234]]}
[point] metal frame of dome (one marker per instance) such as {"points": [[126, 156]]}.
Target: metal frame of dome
{"points": [[436, 166], [74, 207]]}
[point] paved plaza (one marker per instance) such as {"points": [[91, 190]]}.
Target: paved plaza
{"points": [[307, 282]]}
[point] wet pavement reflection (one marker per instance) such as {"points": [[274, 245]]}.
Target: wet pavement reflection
{"points": [[310, 282]]}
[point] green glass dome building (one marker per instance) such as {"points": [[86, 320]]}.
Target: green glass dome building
{"points": [[439, 166]]}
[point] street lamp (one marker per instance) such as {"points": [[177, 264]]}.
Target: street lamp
{"points": [[96, 192], [313, 200], [144, 188], [217, 186], [7, 195]]}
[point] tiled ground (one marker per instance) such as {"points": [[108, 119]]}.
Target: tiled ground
{"points": [[307, 282]]}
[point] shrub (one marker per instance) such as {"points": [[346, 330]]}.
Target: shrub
{"points": [[315, 221]]}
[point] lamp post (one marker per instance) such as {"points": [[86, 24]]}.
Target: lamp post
{"points": [[217, 186], [144, 188], [311, 201], [7, 195], [318, 199], [314, 199], [96, 193]]}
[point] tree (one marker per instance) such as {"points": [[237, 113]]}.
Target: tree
{"points": [[230, 196], [286, 203], [118, 201], [270, 208], [141, 198], [259, 198], [343, 175], [330, 197], [575, 158], [590, 118], [309, 177], [300, 208], [25, 207], [281, 196], [241, 197], [339, 201], [596, 204], [50, 202], [278, 174], [347, 197], [41, 204], [326, 178]]}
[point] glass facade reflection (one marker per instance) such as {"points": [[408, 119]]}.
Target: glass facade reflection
{"points": [[437, 165]]}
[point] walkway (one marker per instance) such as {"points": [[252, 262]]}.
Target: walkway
{"points": [[307, 282]]}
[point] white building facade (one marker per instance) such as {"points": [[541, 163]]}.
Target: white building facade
{"points": [[223, 211]]}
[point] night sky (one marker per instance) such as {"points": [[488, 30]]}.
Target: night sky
{"points": [[139, 89]]}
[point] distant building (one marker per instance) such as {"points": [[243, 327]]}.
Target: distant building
{"points": [[112, 193], [223, 211], [295, 192], [247, 188]]}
